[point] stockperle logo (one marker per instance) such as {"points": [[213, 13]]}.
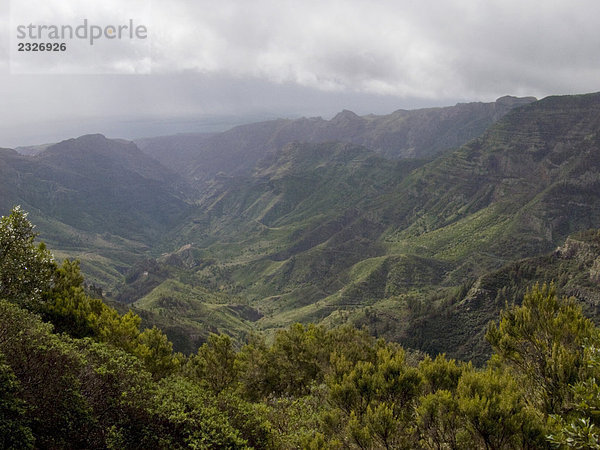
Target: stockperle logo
{"points": [[85, 31]]}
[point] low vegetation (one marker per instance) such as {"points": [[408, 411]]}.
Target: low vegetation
{"points": [[75, 373]]}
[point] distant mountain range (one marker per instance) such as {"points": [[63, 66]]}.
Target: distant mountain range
{"points": [[414, 224], [418, 133]]}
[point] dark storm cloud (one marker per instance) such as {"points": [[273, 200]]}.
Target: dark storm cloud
{"points": [[285, 58]]}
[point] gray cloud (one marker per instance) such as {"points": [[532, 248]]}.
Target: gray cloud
{"points": [[267, 58]]}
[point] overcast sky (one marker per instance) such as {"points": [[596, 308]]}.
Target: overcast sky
{"points": [[207, 65]]}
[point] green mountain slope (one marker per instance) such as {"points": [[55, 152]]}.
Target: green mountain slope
{"points": [[296, 226], [457, 323], [328, 232], [403, 134], [97, 199], [313, 235], [99, 180], [321, 227]]}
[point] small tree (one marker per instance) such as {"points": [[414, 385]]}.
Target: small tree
{"points": [[495, 413], [580, 428], [541, 341], [214, 364], [26, 268], [14, 432]]}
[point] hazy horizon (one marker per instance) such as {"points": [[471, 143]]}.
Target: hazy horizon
{"points": [[237, 62]]}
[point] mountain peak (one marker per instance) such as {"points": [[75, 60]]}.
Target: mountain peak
{"points": [[510, 100], [85, 140], [344, 116], [8, 151], [92, 137], [94, 153], [91, 143]]}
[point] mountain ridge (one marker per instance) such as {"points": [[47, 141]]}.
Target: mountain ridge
{"points": [[419, 133], [335, 232]]}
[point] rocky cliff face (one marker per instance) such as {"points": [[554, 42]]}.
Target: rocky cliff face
{"points": [[584, 248]]}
